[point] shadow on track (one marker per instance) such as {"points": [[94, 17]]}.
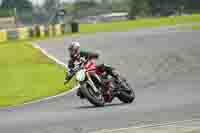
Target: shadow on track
{"points": [[107, 105]]}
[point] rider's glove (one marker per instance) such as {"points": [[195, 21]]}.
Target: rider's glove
{"points": [[69, 75]]}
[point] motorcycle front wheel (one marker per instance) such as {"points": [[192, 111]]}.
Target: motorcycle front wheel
{"points": [[94, 98]]}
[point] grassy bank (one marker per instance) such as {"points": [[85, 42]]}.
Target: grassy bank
{"points": [[194, 27], [137, 24], [27, 75]]}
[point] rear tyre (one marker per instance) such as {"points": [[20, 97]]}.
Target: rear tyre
{"points": [[95, 99], [127, 95]]}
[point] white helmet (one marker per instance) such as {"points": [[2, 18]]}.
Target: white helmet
{"points": [[74, 45]]}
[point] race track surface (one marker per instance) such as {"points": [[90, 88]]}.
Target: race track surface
{"points": [[162, 64]]}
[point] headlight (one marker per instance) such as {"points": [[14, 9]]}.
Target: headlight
{"points": [[80, 75]]}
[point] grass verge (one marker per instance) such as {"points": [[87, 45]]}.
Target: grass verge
{"points": [[138, 24], [27, 74], [194, 27]]}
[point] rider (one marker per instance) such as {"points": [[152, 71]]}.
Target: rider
{"points": [[76, 53]]}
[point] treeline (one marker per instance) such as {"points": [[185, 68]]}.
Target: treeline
{"points": [[135, 7], [91, 7], [8, 7], [162, 7]]}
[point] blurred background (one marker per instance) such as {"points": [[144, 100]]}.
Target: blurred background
{"points": [[31, 12]]}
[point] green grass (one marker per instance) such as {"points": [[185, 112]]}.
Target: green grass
{"points": [[137, 24], [194, 27], [27, 75]]}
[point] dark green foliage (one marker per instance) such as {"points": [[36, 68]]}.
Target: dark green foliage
{"points": [[50, 5], [139, 8], [162, 7], [20, 5], [5, 13]]}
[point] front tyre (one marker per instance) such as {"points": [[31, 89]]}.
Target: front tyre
{"points": [[127, 95], [93, 98]]}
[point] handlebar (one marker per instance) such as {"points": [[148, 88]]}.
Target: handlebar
{"points": [[80, 65]]}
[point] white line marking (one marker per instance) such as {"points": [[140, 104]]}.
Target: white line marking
{"points": [[35, 45], [165, 124], [47, 98]]}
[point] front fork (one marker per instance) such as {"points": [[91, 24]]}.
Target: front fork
{"points": [[91, 83]]}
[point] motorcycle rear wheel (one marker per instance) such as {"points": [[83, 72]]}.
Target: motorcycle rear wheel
{"points": [[127, 95]]}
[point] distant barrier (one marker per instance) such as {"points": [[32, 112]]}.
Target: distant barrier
{"points": [[3, 36], [12, 34], [50, 30], [23, 33], [36, 31], [7, 22], [58, 30], [41, 31]]}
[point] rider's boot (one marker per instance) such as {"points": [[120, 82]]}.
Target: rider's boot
{"points": [[78, 93]]}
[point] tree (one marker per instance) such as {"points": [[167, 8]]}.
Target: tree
{"points": [[133, 9], [51, 5], [104, 1], [81, 8], [19, 5], [166, 7], [138, 8], [192, 5]]}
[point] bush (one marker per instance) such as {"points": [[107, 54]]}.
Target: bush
{"points": [[5, 13]]}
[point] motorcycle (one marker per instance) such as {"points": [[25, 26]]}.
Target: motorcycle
{"points": [[98, 87]]}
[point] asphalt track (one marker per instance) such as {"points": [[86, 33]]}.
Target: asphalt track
{"points": [[162, 64]]}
